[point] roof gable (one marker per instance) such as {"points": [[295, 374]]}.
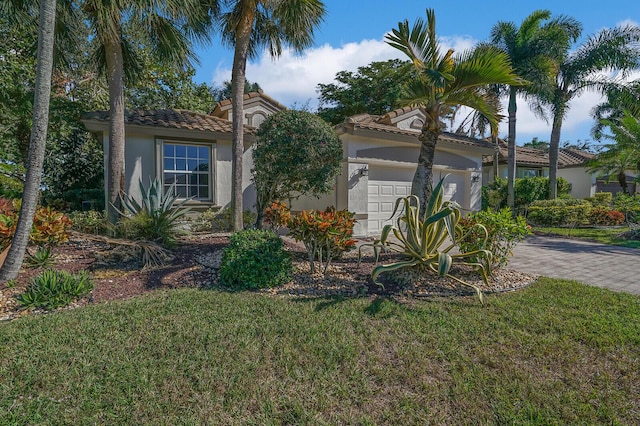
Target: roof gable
{"points": [[253, 100]]}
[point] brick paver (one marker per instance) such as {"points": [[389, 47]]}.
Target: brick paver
{"points": [[612, 267]]}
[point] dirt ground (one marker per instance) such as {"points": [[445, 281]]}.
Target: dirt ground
{"points": [[118, 274]]}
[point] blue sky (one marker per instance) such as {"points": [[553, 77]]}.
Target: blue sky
{"points": [[352, 35]]}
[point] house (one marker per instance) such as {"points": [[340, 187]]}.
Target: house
{"points": [[532, 162], [380, 155]]}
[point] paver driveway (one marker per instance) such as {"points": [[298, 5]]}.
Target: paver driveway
{"points": [[612, 267]]}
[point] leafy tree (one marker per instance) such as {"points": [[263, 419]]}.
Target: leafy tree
{"points": [[532, 50], [296, 153], [537, 144], [623, 154], [248, 26], [374, 89], [619, 99], [44, 69], [442, 80], [224, 91], [167, 28], [611, 49]]}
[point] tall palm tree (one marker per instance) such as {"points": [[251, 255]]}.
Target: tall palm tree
{"points": [[616, 49], [248, 26], [532, 48], [445, 80], [619, 100], [624, 154], [44, 70], [168, 28]]}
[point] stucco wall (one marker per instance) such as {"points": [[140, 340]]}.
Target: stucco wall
{"points": [[583, 184]]}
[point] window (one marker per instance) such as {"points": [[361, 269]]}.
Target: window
{"points": [[188, 167]]}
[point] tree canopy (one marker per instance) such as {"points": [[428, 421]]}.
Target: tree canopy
{"points": [[296, 153]]}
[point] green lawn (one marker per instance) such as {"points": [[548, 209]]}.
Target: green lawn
{"points": [[556, 353], [600, 235]]}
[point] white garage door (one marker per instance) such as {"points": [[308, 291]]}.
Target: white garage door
{"points": [[384, 191]]}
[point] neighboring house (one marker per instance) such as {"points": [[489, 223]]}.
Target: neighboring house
{"points": [[380, 155], [531, 162]]}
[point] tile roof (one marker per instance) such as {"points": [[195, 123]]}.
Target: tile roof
{"points": [[379, 123], [174, 119], [567, 157], [226, 103]]}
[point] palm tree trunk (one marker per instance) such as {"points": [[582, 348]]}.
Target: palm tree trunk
{"points": [[115, 73], [238, 79], [622, 180], [554, 146], [511, 146], [496, 158], [422, 184], [13, 261]]}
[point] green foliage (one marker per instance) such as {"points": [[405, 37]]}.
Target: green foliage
{"points": [[326, 234], [223, 91], [560, 212], [156, 217], [89, 222], [42, 258], [296, 153], [54, 289], [49, 227], [605, 216], [527, 191], [503, 234], [254, 259], [421, 239], [629, 205], [219, 220], [601, 199], [374, 89]]}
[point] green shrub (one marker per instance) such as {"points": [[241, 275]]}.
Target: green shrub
{"points": [[42, 258], [605, 216], [526, 191], [254, 259], [422, 239], [560, 212], [53, 289], [601, 199], [219, 220], [89, 222], [629, 205], [503, 234]]}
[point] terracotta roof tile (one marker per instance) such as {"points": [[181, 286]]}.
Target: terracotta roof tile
{"points": [[173, 118], [537, 157]]}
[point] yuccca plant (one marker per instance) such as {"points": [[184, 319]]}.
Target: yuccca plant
{"points": [[156, 217], [422, 239]]}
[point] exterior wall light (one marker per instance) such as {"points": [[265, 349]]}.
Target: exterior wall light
{"points": [[364, 171]]}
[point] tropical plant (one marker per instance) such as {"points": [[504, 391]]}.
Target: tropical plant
{"points": [[620, 100], [621, 156], [445, 80], [38, 139], [248, 26], [156, 217], [605, 216], [296, 153], [42, 258], [326, 235], [532, 49], [629, 205], [611, 50], [421, 239], [119, 27], [54, 289], [254, 259], [503, 233], [562, 211], [527, 190]]}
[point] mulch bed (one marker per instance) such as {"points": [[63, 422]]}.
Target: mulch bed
{"points": [[118, 274]]}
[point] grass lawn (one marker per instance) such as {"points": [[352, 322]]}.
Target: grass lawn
{"points": [[556, 353], [600, 235]]}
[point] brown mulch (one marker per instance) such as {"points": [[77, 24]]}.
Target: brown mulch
{"points": [[118, 274]]}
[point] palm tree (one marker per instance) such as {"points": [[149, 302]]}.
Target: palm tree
{"points": [[248, 26], [446, 80], [168, 28], [616, 49], [44, 70], [621, 99], [624, 154], [531, 49]]}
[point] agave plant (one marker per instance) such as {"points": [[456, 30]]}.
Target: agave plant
{"points": [[158, 210], [429, 239]]}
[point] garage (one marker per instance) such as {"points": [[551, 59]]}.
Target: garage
{"points": [[387, 184]]}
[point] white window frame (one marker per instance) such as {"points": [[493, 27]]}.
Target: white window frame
{"points": [[160, 165]]}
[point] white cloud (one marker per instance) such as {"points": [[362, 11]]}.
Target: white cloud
{"points": [[292, 78]]}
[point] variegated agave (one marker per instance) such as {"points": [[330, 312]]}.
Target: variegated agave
{"points": [[429, 239]]}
